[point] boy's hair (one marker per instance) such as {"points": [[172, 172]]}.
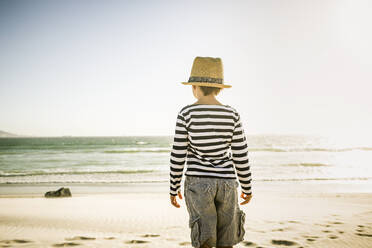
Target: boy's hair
{"points": [[210, 90]]}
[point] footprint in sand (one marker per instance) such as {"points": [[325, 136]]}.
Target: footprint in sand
{"points": [[109, 238], [8, 243], [80, 238], [248, 243], [277, 230], [150, 235], [332, 237], [335, 222], [21, 241], [137, 242], [326, 231], [364, 234], [185, 243], [18, 241], [294, 221], [66, 244], [283, 242], [325, 225], [311, 237]]}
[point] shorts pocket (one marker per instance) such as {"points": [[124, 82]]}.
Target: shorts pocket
{"points": [[198, 187], [241, 221], [195, 231]]}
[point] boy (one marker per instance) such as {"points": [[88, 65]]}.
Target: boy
{"points": [[205, 133]]}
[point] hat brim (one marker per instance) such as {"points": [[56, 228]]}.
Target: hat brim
{"points": [[207, 84]]}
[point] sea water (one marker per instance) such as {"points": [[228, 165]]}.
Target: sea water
{"points": [[146, 159]]}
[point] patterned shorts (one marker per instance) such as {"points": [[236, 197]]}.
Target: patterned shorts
{"points": [[215, 216]]}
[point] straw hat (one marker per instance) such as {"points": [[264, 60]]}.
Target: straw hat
{"points": [[207, 71]]}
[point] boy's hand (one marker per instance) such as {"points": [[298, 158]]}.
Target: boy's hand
{"points": [[246, 198], [174, 200]]}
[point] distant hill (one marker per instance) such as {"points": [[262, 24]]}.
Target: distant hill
{"points": [[6, 134]]}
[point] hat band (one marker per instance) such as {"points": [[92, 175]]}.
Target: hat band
{"points": [[206, 79]]}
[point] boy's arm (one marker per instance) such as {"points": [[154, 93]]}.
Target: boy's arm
{"points": [[239, 149], [178, 155]]}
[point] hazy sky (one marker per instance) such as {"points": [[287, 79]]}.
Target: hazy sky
{"points": [[116, 67]]}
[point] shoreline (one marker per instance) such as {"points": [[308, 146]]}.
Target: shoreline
{"points": [[278, 187]]}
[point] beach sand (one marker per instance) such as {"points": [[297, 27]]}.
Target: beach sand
{"points": [[280, 214]]}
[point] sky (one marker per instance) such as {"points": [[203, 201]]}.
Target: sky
{"points": [[107, 68]]}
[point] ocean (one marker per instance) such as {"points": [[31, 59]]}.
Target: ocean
{"points": [[146, 159]]}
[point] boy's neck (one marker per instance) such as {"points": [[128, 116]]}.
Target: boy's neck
{"points": [[210, 99]]}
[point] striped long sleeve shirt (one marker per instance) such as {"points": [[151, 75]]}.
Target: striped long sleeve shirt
{"points": [[211, 139]]}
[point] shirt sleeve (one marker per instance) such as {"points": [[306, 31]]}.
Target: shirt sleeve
{"points": [[239, 149], [178, 154]]}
